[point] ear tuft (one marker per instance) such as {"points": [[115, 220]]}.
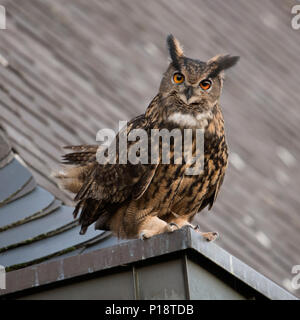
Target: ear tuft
{"points": [[175, 49], [220, 63], [228, 61]]}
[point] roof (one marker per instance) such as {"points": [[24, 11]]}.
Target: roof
{"points": [[34, 225], [75, 67], [133, 251]]}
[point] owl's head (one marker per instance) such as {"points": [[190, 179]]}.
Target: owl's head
{"points": [[193, 81]]}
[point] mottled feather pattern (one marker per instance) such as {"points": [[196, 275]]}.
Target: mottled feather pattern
{"points": [[141, 200]]}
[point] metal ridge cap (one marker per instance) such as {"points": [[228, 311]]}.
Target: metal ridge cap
{"points": [[239, 269], [138, 250], [102, 259]]}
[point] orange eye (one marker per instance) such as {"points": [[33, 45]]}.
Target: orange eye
{"points": [[205, 84], [178, 78]]}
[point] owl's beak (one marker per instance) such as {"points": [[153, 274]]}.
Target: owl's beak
{"points": [[188, 92]]}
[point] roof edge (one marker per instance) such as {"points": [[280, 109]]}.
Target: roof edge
{"points": [[102, 259], [138, 250]]}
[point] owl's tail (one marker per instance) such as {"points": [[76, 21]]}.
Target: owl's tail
{"points": [[82, 154], [76, 167]]}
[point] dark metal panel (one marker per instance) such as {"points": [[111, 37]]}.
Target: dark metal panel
{"points": [[205, 286], [117, 286], [13, 177], [24, 207], [164, 280], [239, 269]]}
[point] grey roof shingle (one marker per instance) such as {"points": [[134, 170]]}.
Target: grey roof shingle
{"points": [[78, 66], [34, 225]]}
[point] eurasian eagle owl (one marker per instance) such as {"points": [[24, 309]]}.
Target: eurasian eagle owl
{"points": [[144, 199]]}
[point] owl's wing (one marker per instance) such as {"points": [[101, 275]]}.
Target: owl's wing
{"points": [[116, 182], [210, 200], [100, 187], [106, 189]]}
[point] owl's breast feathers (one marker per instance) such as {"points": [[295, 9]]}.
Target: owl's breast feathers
{"points": [[174, 191], [118, 196]]}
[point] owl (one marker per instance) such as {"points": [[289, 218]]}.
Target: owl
{"points": [[140, 200]]}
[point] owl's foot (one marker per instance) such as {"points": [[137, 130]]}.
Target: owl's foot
{"points": [[146, 234], [208, 236]]}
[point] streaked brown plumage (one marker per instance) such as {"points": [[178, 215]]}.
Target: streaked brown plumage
{"points": [[141, 200]]}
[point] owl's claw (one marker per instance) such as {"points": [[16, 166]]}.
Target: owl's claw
{"points": [[196, 227], [208, 236], [171, 226], [143, 236]]}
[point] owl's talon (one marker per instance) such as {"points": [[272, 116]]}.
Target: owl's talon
{"points": [[197, 227], [208, 236], [173, 224], [142, 236]]}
